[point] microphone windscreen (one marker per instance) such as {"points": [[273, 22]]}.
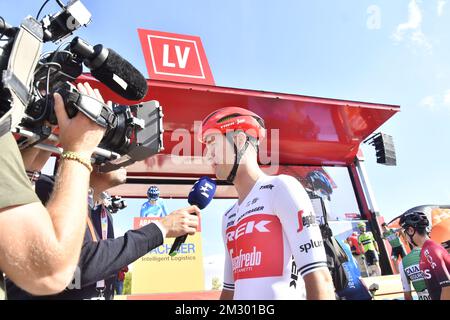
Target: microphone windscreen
{"points": [[121, 77], [202, 192]]}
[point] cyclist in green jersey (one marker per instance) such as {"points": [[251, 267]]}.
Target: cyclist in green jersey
{"points": [[410, 273], [370, 249], [394, 240]]}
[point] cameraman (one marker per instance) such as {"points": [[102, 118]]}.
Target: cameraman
{"points": [[101, 259], [40, 246]]}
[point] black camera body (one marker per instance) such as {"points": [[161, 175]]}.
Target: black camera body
{"points": [[28, 81]]}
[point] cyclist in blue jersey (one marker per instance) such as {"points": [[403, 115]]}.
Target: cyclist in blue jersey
{"points": [[154, 207]]}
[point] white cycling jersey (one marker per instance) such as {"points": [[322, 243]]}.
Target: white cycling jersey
{"points": [[274, 223]]}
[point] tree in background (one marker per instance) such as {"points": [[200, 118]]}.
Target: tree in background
{"points": [[127, 283], [216, 284]]}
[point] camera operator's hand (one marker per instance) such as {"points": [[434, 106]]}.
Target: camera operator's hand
{"points": [[181, 222], [79, 134]]}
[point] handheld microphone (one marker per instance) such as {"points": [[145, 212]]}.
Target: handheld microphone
{"points": [[201, 195], [111, 69]]}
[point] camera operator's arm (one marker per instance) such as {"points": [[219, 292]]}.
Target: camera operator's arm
{"points": [[35, 159], [39, 248], [105, 258]]}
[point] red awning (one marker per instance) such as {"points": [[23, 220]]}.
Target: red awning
{"points": [[312, 130]]}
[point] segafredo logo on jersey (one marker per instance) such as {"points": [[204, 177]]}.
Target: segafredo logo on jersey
{"points": [[305, 221], [245, 259]]}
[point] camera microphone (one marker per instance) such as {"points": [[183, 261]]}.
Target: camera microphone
{"points": [[110, 68]]}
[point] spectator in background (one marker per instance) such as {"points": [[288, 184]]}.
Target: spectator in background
{"points": [[120, 279], [394, 240], [357, 253], [370, 249], [154, 207]]}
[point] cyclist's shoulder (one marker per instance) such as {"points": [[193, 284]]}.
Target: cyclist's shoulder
{"points": [[411, 257], [433, 248], [144, 205], [283, 183], [282, 179]]}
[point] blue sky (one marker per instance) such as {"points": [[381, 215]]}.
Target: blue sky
{"points": [[394, 52]]}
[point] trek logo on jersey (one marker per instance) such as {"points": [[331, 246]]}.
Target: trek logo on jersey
{"points": [[305, 221], [267, 186], [310, 245], [248, 227], [255, 245]]}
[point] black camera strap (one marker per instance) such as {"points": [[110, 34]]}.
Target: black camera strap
{"points": [[94, 109]]}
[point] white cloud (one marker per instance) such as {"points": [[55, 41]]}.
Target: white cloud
{"points": [[414, 21], [440, 7], [437, 102], [428, 102], [447, 98], [412, 29], [418, 38]]}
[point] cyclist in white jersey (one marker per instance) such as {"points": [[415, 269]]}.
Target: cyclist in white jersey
{"points": [[271, 234]]}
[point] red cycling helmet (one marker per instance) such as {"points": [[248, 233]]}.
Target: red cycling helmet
{"points": [[232, 119]]}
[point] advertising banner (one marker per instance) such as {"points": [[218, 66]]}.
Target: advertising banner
{"points": [[157, 272], [175, 57]]}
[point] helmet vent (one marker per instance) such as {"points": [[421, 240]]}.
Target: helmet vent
{"points": [[226, 118]]}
